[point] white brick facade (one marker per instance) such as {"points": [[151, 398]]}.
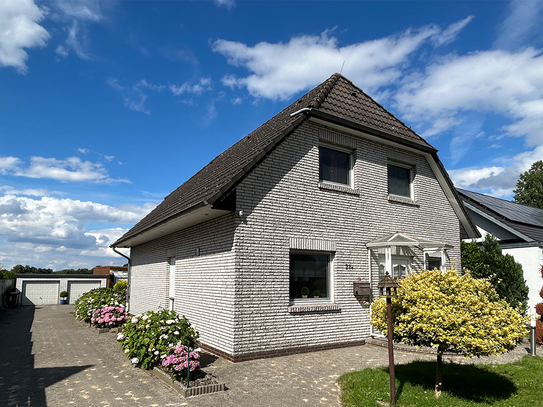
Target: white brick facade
{"points": [[236, 291]]}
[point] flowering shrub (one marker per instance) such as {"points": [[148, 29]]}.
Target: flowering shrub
{"points": [[176, 362], [120, 286], [92, 300], [109, 317], [147, 338]]}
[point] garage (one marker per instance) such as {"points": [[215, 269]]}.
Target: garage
{"points": [[77, 288], [45, 289], [40, 292]]}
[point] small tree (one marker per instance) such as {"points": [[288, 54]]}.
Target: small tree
{"points": [[529, 189], [504, 272], [453, 313]]}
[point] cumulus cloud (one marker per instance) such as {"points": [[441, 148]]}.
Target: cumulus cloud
{"points": [[37, 228], [8, 164], [278, 71], [455, 95], [19, 30], [71, 169], [54, 221], [497, 180]]}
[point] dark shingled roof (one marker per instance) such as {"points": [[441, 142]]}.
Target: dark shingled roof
{"points": [[337, 96], [523, 218]]}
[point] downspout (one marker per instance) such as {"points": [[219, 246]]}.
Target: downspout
{"points": [[128, 285]]}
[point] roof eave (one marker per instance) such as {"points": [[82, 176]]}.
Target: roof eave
{"points": [[330, 118], [197, 213]]}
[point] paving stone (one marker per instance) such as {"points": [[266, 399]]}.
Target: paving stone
{"points": [[50, 359]]}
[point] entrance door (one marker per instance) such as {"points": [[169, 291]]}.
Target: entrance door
{"points": [[171, 284]]}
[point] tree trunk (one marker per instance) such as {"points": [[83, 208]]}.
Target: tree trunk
{"points": [[439, 380]]}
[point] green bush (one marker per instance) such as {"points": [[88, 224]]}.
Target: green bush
{"points": [[120, 286], [88, 303], [63, 294], [147, 339]]}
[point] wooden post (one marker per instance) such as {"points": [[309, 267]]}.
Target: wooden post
{"points": [[391, 351]]}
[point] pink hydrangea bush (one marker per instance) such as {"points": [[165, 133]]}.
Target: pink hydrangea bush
{"points": [[176, 362], [109, 317]]}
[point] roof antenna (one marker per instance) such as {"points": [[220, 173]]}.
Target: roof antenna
{"points": [[342, 67]]}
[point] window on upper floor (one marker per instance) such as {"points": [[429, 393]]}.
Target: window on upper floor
{"points": [[400, 180], [310, 275], [335, 166]]}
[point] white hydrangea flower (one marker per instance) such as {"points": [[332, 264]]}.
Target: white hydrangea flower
{"points": [[126, 350], [145, 317], [156, 352], [176, 333], [120, 336], [170, 321], [135, 361], [134, 320]]}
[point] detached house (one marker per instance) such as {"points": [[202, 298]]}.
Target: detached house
{"points": [[519, 230], [278, 243]]}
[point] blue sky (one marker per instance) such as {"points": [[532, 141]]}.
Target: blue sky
{"points": [[108, 106]]}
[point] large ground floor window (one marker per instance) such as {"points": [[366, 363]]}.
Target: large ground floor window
{"points": [[310, 275]]}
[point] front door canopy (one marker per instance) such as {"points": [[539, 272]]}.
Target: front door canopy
{"points": [[401, 239]]}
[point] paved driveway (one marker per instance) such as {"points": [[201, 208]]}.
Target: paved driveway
{"points": [[49, 359]]}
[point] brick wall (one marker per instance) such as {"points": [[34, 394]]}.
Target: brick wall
{"points": [[204, 290]]}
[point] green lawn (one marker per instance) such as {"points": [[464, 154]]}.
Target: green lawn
{"points": [[518, 384]]}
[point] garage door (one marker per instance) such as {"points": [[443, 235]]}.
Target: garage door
{"points": [[40, 292], [77, 288]]}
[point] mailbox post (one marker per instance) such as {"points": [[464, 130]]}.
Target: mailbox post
{"points": [[388, 288]]}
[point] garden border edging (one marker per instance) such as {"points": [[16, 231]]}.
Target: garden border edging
{"points": [[183, 391]]}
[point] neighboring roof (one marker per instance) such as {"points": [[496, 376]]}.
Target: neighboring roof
{"points": [[337, 98], [523, 218]]}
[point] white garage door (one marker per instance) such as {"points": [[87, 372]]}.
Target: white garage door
{"points": [[77, 289], [40, 292]]}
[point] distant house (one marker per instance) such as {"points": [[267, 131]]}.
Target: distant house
{"points": [[519, 230], [261, 248]]}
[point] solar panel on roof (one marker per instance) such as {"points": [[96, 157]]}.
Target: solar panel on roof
{"points": [[511, 210]]}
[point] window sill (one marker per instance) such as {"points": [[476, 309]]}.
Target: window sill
{"points": [[313, 308], [339, 188], [402, 199]]}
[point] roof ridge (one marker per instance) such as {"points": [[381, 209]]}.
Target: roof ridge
{"points": [[326, 87]]}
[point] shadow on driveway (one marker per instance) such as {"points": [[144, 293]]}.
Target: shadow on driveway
{"points": [[21, 384]]}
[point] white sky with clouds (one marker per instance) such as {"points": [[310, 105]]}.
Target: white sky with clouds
{"points": [[106, 107]]}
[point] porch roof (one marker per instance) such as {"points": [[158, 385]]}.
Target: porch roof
{"points": [[401, 239]]}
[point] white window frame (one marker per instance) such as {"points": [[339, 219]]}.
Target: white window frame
{"points": [[351, 164], [329, 278], [442, 253], [411, 178], [389, 262]]}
